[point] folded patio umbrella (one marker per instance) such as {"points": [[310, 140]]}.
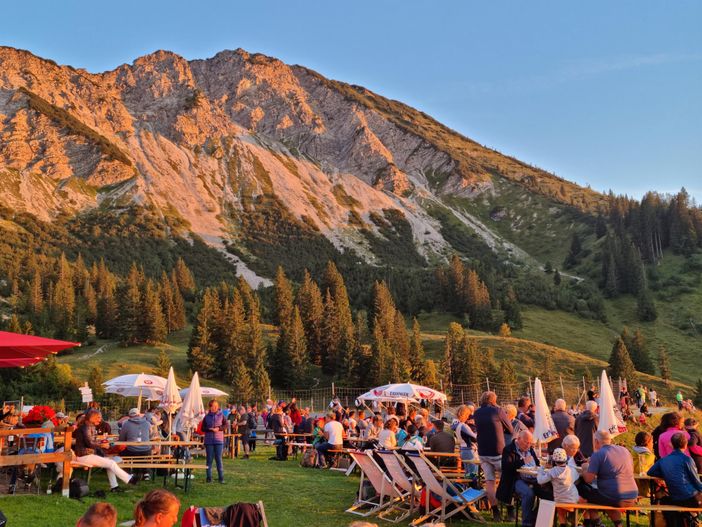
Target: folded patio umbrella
{"points": [[18, 350], [608, 409], [544, 427], [193, 410], [171, 401]]}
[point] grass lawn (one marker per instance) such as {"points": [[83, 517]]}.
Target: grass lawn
{"points": [[292, 496]]}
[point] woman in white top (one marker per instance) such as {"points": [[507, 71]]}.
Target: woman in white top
{"points": [[386, 437], [414, 442]]}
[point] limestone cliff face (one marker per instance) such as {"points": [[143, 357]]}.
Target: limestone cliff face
{"points": [[201, 139]]}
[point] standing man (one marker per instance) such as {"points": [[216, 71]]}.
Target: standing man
{"points": [[213, 425], [491, 423], [585, 427], [679, 399], [565, 424]]}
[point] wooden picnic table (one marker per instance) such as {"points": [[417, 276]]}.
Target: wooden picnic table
{"points": [[157, 443]]}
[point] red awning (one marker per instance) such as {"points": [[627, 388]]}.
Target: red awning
{"points": [[17, 350]]}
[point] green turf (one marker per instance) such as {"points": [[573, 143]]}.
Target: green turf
{"points": [[293, 496]]}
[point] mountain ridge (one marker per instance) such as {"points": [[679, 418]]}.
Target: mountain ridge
{"points": [[210, 140]]}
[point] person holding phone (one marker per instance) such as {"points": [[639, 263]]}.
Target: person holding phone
{"points": [[213, 425]]}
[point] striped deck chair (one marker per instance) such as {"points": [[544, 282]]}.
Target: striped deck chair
{"points": [[454, 499], [403, 478], [387, 497]]}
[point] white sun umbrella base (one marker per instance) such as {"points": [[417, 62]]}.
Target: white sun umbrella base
{"points": [[609, 420], [544, 427]]}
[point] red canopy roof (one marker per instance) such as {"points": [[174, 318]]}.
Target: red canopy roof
{"points": [[17, 350]]}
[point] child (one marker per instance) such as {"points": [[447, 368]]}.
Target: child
{"points": [[563, 478]]}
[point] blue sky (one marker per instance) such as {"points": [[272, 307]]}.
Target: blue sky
{"points": [[601, 93]]}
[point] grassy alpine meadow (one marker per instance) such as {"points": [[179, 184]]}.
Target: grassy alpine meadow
{"points": [[293, 496]]}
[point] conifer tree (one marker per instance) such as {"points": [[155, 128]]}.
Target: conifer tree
{"points": [[163, 364], [400, 348], [556, 278], [185, 279], [473, 375], [64, 302], [242, 384], [504, 330], [14, 325], [453, 366], [95, 380], [639, 353], [35, 299], [152, 327], [261, 379], [309, 301], [90, 302], [202, 350], [331, 335], [506, 375], [416, 355], [130, 306], [283, 298], [297, 351], [179, 314], [620, 364], [165, 291], [573, 257], [431, 375], [106, 323], [646, 307], [664, 364], [380, 358]]}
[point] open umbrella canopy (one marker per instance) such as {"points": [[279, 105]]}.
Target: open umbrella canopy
{"points": [[544, 427], [609, 419], [137, 380], [405, 392], [206, 392], [150, 394], [17, 350]]}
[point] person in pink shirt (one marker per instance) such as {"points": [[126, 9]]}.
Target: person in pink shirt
{"points": [[665, 445]]}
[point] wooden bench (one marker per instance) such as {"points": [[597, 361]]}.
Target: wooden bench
{"points": [[583, 507], [168, 466]]}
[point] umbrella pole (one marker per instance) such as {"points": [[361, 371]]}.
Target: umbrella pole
{"points": [[139, 400]]}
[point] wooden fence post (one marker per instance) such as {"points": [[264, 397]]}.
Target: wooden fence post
{"points": [[67, 443]]}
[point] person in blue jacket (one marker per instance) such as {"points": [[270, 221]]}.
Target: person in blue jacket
{"points": [[213, 425]]}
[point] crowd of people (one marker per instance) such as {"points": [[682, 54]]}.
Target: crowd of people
{"points": [[158, 508]]}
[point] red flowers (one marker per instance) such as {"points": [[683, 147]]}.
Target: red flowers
{"points": [[39, 414]]}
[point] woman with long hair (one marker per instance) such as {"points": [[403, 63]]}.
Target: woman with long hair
{"points": [[159, 508]]}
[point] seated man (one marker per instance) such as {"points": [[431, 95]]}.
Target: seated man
{"points": [[613, 468], [441, 441], [518, 454], [680, 475], [333, 438], [99, 515]]}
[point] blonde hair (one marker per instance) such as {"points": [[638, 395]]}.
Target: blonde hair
{"points": [[511, 411], [155, 502]]}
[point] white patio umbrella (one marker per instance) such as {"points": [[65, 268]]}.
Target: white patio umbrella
{"points": [[206, 392], [136, 385], [171, 400], [608, 409], [192, 411], [403, 393], [544, 427]]}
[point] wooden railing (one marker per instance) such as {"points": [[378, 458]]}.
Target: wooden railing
{"points": [[30, 459]]}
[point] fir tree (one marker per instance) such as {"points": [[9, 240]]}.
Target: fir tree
{"points": [[620, 364], [548, 267], [639, 353], [185, 279], [242, 384], [664, 364], [505, 330], [646, 307], [35, 299], [130, 306], [283, 298], [64, 302], [90, 302], [573, 257], [106, 323], [202, 350], [165, 291], [331, 335], [309, 301], [431, 375], [380, 358], [152, 327], [261, 380], [163, 364], [600, 226], [297, 351], [473, 372], [416, 355], [453, 365], [556, 278], [14, 325], [95, 380]]}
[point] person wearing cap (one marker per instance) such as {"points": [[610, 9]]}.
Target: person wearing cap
{"points": [[61, 422], [562, 477], [136, 429]]}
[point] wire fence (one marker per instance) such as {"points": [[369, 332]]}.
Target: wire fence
{"points": [[572, 390]]}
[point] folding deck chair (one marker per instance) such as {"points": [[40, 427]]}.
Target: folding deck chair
{"points": [[403, 477], [451, 496], [388, 499]]}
